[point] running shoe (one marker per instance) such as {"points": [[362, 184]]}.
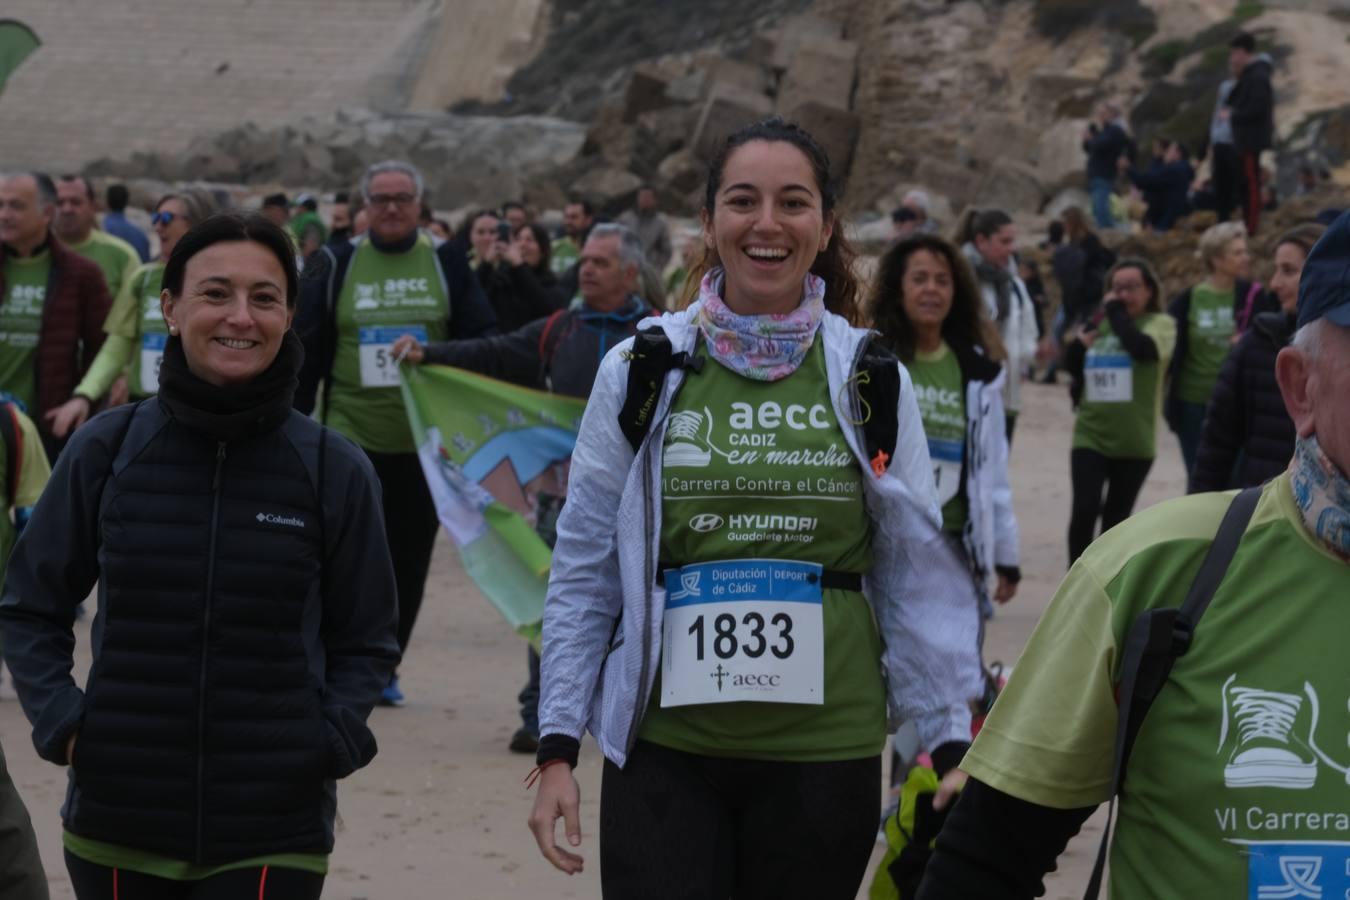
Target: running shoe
{"points": [[688, 441], [1265, 729], [391, 695], [524, 741]]}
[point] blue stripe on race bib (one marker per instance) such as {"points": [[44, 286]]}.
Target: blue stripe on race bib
{"points": [[152, 341], [743, 579], [948, 451], [1107, 361], [1278, 871], [386, 335]]}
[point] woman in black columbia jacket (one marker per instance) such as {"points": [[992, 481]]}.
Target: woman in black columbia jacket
{"points": [[246, 604]]}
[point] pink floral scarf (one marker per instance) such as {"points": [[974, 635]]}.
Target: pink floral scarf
{"points": [[765, 348]]}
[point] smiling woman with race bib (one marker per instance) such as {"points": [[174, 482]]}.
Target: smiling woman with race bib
{"points": [[1117, 362], [732, 609]]}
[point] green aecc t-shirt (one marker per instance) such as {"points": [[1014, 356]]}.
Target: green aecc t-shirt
{"points": [[1209, 338], [1239, 783], [942, 405], [21, 325], [755, 471], [1122, 396]]}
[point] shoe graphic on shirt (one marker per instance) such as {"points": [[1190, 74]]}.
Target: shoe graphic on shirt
{"points": [[1265, 729], [687, 444]]}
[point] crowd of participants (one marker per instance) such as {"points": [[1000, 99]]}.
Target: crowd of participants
{"points": [[259, 576]]}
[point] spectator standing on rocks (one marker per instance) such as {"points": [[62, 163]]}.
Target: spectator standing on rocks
{"points": [[1105, 142], [1166, 184], [1248, 435], [989, 240], [76, 225], [1251, 110], [356, 300], [1225, 163], [560, 353], [578, 216], [1209, 316], [651, 228], [52, 304], [115, 221]]}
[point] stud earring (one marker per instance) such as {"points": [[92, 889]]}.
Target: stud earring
{"points": [[173, 329]]}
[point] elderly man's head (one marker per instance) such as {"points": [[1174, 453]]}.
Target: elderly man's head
{"points": [[27, 206], [392, 191], [916, 201], [610, 262], [1314, 371], [75, 210]]}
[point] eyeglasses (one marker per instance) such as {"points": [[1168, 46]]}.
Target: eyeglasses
{"points": [[391, 199], [1129, 287], [162, 218]]}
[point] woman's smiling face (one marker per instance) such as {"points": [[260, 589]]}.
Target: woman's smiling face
{"points": [[767, 227]]}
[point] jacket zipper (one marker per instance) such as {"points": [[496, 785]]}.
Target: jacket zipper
{"points": [[648, 573], [206, 629]]}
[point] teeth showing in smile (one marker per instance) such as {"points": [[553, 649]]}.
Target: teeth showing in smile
{"points": [[767, 252], [235, 344]]}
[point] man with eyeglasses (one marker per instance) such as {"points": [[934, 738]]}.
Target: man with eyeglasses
{"points": [[52, 303], [356, 300], [74, 224]]}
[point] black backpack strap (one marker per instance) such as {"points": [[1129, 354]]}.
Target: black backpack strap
{"points": [[12, 436], [649, 359], [1157, 639], [877, 377]]}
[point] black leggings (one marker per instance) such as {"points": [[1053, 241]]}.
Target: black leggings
{"points": [[94, 882], [410, 525], [675, 826], [1091, 470]]}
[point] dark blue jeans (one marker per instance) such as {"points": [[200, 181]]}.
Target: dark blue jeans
{"points": [[1192, 426]]}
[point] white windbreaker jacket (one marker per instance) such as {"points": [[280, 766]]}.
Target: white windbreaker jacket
{"points": [[604, 612]]}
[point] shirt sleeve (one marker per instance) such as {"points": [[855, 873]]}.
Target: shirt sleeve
{"points": [[34, 468], [1050, 739], [121, 319], [1163, 330]]}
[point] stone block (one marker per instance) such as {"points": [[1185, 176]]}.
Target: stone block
{"points": [[681, 173], [955, 182], [822, 69], [725, 111], [743, 76], [1002, 137], [646, 92], [1012, 187], [835, 129], [610, 189], [775, 48], [1060, 160]]}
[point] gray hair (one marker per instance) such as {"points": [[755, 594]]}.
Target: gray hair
{"points": [[920, 198], [392, 165], [46, 188], [630, 248], [1308, 339]]}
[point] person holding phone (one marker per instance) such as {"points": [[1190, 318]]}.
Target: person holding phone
{"points": [[513, 270], [1117, 360]]}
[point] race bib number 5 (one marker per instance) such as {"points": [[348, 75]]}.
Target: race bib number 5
{"points": [[152, 357], [376, 348], [1110, 378], [744, 630]]}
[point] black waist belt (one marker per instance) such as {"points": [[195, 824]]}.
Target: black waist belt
{"points": [[830, 579]]}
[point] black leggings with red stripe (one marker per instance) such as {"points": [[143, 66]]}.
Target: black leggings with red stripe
{"points": [[94, 882]]}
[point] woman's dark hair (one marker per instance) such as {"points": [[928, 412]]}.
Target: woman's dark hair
{"points": [[835, 263], [1149, 275], [1304, 236], [966, 322], [545, 245], [1076, 224], [233, 227], [983, 222], [466, 224]]}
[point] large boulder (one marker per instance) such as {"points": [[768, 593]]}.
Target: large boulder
{"points": [[1012, 187], [724, 112], [1066, 198], [1060, 161], [612, 190], [956, 182], [836, 129], [822, 71], [647, 91]]}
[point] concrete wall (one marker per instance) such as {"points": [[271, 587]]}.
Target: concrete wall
{"points": [[115, 76]]}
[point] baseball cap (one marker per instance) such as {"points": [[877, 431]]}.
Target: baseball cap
{"points": [[1324, 287], [302, 200]]}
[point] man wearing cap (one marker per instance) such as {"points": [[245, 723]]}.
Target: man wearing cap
{"points": [[310, 233], [1237, 784], [356, 300]]}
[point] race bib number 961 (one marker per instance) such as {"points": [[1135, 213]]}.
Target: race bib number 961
{"points": [[743, 630], [1110, 378], [376, 348]]}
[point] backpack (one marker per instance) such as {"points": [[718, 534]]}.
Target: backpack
{"points": [[877, 376], [1156, 640]]}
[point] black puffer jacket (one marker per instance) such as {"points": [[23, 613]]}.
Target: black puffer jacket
{"points": [[245, 626], [1248, 437]]}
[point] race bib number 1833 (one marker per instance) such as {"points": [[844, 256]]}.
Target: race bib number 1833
{"points": [[743, 630]]}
